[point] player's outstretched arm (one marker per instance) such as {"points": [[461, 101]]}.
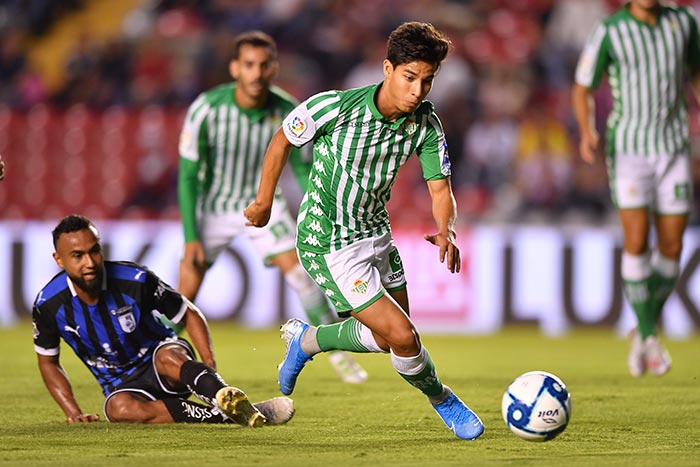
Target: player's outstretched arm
{"points": [[59, 387], [258, 212], [445, 214]]}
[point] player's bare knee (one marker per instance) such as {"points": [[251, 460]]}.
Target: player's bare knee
{"points": [[671, 248], [636, 245], [123, 408], [169, 358], [404, 341]]}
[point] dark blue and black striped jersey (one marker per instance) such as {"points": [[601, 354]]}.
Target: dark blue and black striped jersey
{"points": [[118, 334]]}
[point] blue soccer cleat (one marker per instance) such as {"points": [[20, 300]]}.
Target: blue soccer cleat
{"points": [[459, 418], [294, 358]]}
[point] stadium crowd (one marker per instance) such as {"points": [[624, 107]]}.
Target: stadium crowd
{"points": [[503, 94]]}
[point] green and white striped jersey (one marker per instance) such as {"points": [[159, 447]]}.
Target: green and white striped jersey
{"points": [[222, 147], [357, 155], [647, 68]]}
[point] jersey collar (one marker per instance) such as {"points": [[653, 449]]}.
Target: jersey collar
{"points": [[370, 101]]}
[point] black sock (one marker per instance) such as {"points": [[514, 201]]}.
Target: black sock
{"points": [[184, 411], [202, 380]]}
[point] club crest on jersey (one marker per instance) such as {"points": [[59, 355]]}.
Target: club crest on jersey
{"points": [[360, 286], [410, 127], [296, 126], [126, 318]]}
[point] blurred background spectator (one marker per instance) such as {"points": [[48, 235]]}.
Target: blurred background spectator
{"points": [[92, 94]]}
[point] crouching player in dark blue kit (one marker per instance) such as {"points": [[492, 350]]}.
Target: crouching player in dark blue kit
{"points": [[118, 317]]}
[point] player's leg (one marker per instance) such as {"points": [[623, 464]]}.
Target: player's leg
{"points": [[318, 311], [632, 188], [132, 406], [665, 260], [413, 363], [276, 244], [379, 324], [176, 368], [673, 194]]}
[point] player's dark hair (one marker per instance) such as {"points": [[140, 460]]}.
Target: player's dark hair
{"points": [[73, 223], [256, 39], [417, 42]]}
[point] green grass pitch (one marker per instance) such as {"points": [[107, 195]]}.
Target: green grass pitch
{"points": [[617, 420]]}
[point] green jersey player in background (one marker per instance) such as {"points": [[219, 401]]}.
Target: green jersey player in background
{"points": [[648, 51], [222, 144], [361, 138]]}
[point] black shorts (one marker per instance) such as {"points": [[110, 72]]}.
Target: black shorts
{"points": [[147, 382]]}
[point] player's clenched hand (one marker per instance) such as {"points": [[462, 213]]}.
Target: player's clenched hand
{"points": [[257, 214], [448, 250], [83, 418]]}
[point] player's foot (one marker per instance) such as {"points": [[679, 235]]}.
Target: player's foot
{"points": [[459, 418], [636, 360], [347, 368], [657, 359], [294, 358], [277, 410], [235, 404]]}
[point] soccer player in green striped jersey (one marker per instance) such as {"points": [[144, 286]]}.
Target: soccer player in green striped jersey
{"points": [[361, 137], [222, 144], [648, 50]]}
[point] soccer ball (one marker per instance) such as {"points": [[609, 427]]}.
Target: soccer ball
{"points": [[536, 406]]}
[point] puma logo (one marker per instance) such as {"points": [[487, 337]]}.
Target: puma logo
{"points": [[138, 275], [73, 330]]}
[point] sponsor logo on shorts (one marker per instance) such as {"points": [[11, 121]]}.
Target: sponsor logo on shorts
{"points": [[296, 126], [360, 286], [395, 261], [393, 277]]}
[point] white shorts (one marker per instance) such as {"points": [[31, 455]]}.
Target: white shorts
{"points": [[217, 231], [359, 274], [662, 183]]}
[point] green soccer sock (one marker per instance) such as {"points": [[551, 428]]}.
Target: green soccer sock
{"points": [[345, 335], [636, 275], [661, 287], [663, 280], [419, 372], [640, 297]]}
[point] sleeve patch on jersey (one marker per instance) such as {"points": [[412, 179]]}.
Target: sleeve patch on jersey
{"points": [[445, 165], [296, 126]]}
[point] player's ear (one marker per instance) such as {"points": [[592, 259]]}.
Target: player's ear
{"points": [[58, 260], [388, 68], [233, 69]]}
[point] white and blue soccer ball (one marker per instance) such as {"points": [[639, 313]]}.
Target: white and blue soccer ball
{"points": [[536, 406]]}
